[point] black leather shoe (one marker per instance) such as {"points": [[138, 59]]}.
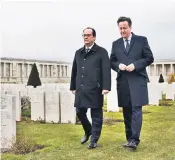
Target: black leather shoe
{"points": [[85, 138], [132, 145], [126, 144], [92, 145]]}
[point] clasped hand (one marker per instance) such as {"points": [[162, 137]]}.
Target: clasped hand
{"points": [[128, 68]]}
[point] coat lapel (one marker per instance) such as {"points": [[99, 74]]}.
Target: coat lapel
{"points": [[132, 42], [93, 50], [122, 47], [83, 51]]}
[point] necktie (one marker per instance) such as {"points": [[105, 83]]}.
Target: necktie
{"points": [[87, 50], [127, 45]]}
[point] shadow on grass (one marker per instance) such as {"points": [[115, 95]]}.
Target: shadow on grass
{"points": [[107, 121], [111, 121]]}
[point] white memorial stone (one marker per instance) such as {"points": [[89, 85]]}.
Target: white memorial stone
{"points": [[169, 91], [50, 86], [112, 99], [37, 105], [41, 87], [18, 105], [24, 92], [8, 121], [63, 86], [89, 115], [52, 111], [57, 86], [154, 93], [29, 89], [16, 87], [68, 112], [173, 90]]}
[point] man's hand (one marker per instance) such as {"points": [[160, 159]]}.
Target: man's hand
{"points": [[130, 67], [122, 67], [73, 91], [105, 92]]}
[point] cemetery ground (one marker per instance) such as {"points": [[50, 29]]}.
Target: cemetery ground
{"points": [[62, 141]]}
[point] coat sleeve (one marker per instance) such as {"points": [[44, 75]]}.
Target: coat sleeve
{"points": [[147, 57], [106, 71], [113, 60], [73, 75]]}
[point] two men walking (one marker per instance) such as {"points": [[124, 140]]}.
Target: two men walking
{"points": [[91, 80]]}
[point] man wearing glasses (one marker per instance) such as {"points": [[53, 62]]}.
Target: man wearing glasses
{"points": [[90, 81]]}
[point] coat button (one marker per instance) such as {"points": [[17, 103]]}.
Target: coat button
{"points": [[81, 85], [84, 59], [82, 76], [82, 67]]}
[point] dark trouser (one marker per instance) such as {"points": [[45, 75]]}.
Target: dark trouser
{"points": [[133, 122], [97, 120]]}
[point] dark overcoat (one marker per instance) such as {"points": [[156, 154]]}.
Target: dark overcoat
{"points": [[132, 86], [91, 73]]}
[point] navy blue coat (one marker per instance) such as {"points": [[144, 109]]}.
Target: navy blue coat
{"points": [[132, 86], [91, 73]]}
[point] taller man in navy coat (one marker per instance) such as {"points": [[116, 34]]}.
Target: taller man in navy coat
{"points": [[129, 57]]}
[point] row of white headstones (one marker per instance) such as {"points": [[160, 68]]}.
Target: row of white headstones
{"points": [[51, 103], [46, 104], [54, 103], [155, 91]]}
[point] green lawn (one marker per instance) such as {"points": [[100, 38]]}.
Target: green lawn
{"points": [[62, 141]]}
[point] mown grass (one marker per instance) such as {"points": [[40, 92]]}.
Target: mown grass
{"points": [[62, 141]]}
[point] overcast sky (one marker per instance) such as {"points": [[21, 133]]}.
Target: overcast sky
{"points": [[52, 29]]}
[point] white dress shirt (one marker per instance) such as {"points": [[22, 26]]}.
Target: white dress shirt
{"points": [[129, 40]]}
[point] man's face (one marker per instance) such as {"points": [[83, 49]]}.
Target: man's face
{"points": [[125, 29], [89, 39]]}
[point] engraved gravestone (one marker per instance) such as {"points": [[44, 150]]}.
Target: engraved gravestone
{"points": [[52, 106], [68, 114], [8, 121], [37, 105]]}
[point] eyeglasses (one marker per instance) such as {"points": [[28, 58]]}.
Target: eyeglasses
{"points": [[86, 35]]}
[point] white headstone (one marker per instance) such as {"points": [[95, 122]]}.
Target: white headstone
{"points": [[17, 94], [8, 121], [112, 99], [154, 92], [50, 86], [19, 86], [52, 112], [29, 89], [37, 105], [40, 87], [153, 79], [68, 112], [16, 87], [173, 90], [5, 87], [18, 105], [57, 86], [169, 90], [89, 115], [24, 92]]}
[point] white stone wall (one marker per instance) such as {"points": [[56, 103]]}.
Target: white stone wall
{"points": [[18, 70], [161, 67]]}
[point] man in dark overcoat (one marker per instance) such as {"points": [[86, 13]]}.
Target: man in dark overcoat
{"points": [[90, 81], [129, 57]]}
